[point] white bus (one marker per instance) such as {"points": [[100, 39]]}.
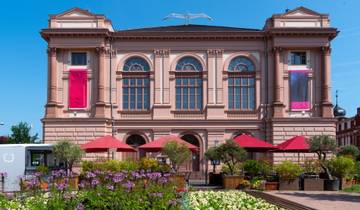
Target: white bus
{"points": [[18, 160]]}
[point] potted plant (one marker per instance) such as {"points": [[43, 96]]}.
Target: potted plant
{"points": [[310, 180], [177, 154], [68, 153], [289, 173], [322, 145], [231, 155], [342, 167], [213, 155], [350, 151], [257, 171]]}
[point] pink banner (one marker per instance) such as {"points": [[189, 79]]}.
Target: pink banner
{"points": [[78, 89], [300, 105]]}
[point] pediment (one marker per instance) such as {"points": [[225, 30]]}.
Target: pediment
{"points": [[76, 13], [301, 12]]}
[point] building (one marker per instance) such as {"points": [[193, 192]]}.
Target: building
{"points": [[347, 128], [203, 83]]}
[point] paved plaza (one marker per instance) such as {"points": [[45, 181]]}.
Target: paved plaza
{"points": [[326, 200]]}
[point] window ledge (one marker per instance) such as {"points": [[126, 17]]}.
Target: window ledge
{"points": [[134, 111], [187, 111], [239, 111]]}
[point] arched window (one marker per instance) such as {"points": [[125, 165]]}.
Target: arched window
{"points": [[241, 84], [136, 84], [188, 84]]}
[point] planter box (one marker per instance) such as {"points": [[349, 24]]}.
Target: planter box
{"points": [[178, 180], [345, 184], [232, 182], [271, 185], [215, 179], [331, 185], [313, 184], [289, 184]]}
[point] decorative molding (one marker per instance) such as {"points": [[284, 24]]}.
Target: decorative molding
{"points": [[326, 50], [162, 52], [52, 51], [215, 52]]}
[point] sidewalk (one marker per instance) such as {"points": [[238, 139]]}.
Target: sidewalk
{"points": [[322, 200]]}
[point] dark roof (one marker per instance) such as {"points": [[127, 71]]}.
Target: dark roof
{"points": [[190, 28]]}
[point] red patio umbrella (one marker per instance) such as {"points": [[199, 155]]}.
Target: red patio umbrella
{"points": [[295, 144], [253, 144], [158, 144], [105, 143]]}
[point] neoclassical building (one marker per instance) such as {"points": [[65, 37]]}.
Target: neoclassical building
{"points": [[202, 83]]}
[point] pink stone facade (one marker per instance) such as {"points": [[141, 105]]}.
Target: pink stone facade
{"points": [[269, 49]]}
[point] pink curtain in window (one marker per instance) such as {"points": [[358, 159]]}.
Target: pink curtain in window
{"points": [[77, 89]]}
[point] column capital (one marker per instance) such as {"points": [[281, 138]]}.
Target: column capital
{"points": [[162, 52], [326, 50], [277, 49], [102, 51], [215, 52], [51, 51]]}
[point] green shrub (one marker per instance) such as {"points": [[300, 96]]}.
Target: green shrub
{"points": [[177, 153], [256, 168], [341, 167], [288, 170], [236, 170], [357, 170], [350, 151], [231, 155], [42, 169], [312, 166], [149, 163]]}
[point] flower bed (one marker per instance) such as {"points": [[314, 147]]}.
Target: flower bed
{"points": [[223, 200]]}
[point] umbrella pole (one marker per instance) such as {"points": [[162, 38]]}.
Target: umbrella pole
{"points": [[299, 158]]}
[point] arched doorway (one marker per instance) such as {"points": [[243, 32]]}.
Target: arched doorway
{"points": [[136, 140], [196, 156]]}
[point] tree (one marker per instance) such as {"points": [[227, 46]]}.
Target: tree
{"points": [[177, 153], [212, 154], [21, 134], [349, 150], [231, 154], [322, 145], [68, 152]]}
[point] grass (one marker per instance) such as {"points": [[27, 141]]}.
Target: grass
{"points": [[353, 189]]}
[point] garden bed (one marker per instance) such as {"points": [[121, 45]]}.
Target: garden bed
{"points": [[225, 200]]}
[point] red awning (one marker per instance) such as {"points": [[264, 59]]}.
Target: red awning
{"points": [[295, 144], [253, 144], [158, 144], [103, 144]]}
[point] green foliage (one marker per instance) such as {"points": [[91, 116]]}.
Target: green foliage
{"points": [[341, 166], [212, 154], [177, 153], [260, 168], [231, 154], [110, 165], [357, 170], [349, 150], [312, 166], [21, 134], [149, 163], [288, 170], [236, 170], [42, 169], [322, 145], [68, 152], [353, 189]]}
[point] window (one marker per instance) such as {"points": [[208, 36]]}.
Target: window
{"points": [[189, 84], [241, 84], [136, 84], [298, 58], [78, 59], [299, 90]]}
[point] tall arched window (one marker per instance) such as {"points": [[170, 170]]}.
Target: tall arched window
{"points": [[241, 84], [188, 84], [136, 84]]}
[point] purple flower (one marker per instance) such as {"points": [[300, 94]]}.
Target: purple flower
{"points": [[173, 202], [158, 194], [90, 175], [110, 187], [154, 175], [60, 186], [82, 184], [37, 174], [80, 206], [95, 182], [58, 173], [129, 185], [118, 177], [163, 180]]}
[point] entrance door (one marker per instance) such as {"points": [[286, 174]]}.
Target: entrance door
{"points": [[195, 156], [135, 141]]}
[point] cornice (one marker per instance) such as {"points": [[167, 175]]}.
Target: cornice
{"points": [[75, 32]]}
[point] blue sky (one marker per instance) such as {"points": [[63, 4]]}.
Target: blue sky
{"points": [[24, 60]]}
